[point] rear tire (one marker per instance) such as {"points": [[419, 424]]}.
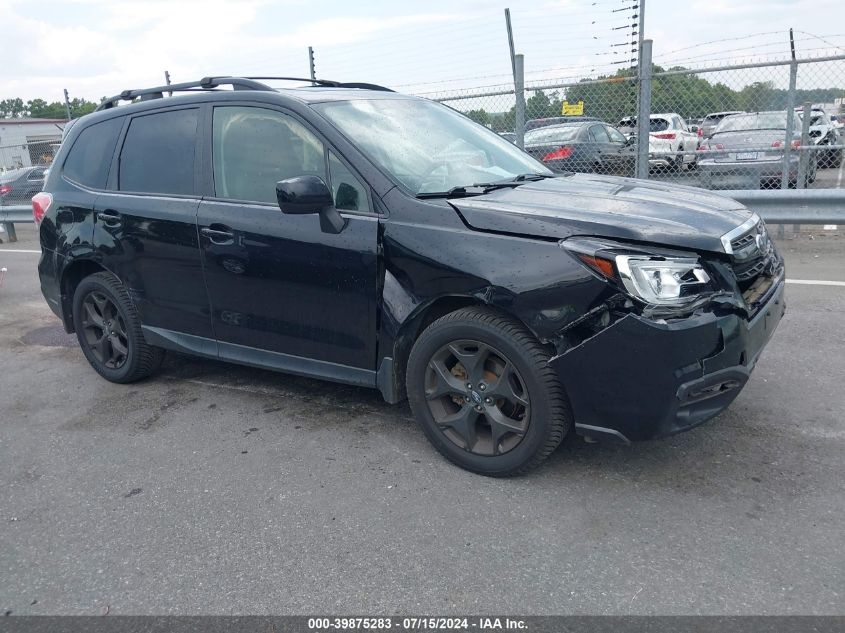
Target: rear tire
{"points": [[109, 331], [496, 424]]}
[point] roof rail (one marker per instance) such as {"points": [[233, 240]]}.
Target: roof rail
{"points": [[206, 83], [326, 83]]}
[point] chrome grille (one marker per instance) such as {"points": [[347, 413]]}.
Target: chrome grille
{"points": [[741, 242], [752, 272]]}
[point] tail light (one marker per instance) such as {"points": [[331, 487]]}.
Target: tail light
{"points": [[700, 133], [40, 205], [4, 189], [558, 154], [711, 146], [795, 144], [666, 135]]}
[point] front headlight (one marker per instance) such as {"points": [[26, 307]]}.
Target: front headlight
{"points": [[670, 279], [662, 281]]}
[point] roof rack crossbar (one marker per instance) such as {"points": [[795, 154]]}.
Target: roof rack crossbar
{"points": [[206, 83]]}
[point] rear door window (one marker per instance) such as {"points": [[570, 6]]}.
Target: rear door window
{"points": [[159, 152], [598, 134], [89, 159]]}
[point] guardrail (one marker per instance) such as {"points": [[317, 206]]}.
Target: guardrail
{"points": [[16, 213], [9, 215], [779, 206], [800, 206]]}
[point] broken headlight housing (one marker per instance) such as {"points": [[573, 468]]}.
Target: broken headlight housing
{"points": [[667, 278]]}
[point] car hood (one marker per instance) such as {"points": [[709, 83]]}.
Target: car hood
{"points": [[606, 206]]}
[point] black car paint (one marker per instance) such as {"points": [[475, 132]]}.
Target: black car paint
{"points": [[284, 294]]}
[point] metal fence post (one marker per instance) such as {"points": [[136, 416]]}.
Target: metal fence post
{"points": [[519, 92], [643, 109], [790, 121], [804, 157]]}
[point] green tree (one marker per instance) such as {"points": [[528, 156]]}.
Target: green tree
{"points": [[479, 116], [10, 108]]}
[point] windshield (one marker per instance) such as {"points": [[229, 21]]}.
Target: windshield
{"points": [[756, 121], [554, 134], [426, 146]]}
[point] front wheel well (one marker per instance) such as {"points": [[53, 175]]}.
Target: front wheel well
{"points": [[417, 324], [72, 275]]}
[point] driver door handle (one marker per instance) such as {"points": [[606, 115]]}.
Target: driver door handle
{"points": [[218, 236], [109, 217]]}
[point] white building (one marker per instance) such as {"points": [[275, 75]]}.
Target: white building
{"points": [[25, 142]]}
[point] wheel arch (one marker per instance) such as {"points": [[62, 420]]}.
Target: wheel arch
{"points": [[72, 275], [410, 330]]}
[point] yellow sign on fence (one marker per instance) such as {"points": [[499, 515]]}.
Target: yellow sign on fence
{"points": [[572, 109]]}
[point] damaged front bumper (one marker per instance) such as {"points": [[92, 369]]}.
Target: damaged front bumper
{"points": [[641, 379]]}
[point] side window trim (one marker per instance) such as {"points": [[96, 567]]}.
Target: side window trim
{"points": [[111, 181]]}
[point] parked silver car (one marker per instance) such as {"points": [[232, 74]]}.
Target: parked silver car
{"points": [[747, 151], [709, 123]]}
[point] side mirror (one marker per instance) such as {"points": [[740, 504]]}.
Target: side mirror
{"points": [[310, 194], [303, 195]]}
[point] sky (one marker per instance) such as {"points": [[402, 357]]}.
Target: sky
{"points": [[96, 48]]}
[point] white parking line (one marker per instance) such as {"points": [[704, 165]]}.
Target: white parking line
{"points": [[815, 282]]}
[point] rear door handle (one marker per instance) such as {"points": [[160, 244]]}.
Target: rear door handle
{"points": [[218, 236], [109, 217]]}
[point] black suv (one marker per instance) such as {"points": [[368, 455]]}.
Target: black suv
{"points": [[347, 232]]}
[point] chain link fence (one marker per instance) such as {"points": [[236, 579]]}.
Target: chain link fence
{"points": [[27, 154], [764, 125]]}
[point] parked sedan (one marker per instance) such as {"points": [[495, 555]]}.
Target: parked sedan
{"points": [[747, 151], [586, 146], [712, 120], [533, 124], [17, 186]]}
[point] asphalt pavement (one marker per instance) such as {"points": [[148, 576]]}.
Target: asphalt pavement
{"points": [[216, 489]]}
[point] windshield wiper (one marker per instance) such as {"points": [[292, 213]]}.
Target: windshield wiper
{"points": [[454, 192], [533, 176], [480, 188]]}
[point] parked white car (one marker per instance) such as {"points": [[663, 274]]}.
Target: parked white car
{"points": [[670, 144]]}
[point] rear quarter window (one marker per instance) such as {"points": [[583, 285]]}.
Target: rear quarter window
{"points": [[158, 153], [89, 158]]}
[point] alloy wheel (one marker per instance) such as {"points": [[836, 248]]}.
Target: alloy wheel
{"points": [[477, 397], [104, 330]]}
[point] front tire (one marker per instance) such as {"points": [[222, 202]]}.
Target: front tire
{"points": [[480, 386], [109, 331]]}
